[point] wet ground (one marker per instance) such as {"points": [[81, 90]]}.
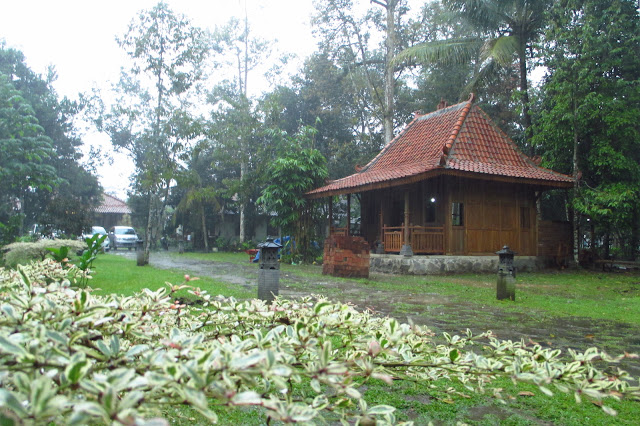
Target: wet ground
{"points": [[439, 312]]}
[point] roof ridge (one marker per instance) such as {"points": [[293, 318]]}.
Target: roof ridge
{"points": [[446, 149], [514, 145], [416, 117], [375, 159], [511, 142]]}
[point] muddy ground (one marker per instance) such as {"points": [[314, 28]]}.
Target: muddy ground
{"points": [[439, 312]]}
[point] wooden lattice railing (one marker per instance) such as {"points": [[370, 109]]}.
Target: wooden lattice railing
{"points": [[427, 239], [393, 238], [338, 231], [424, 239]]}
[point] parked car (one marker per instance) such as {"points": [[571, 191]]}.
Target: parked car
{"points": [[123, 236], [97, 230]]}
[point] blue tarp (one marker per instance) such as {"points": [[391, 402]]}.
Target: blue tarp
{"points": [[283, 242]]}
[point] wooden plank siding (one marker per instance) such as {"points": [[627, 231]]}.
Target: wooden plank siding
{"points": [[555, 238], [494, 214]]}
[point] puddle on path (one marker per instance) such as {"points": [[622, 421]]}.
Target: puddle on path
{"points": [[438, 312]]}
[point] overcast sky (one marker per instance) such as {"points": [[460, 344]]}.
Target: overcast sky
{"points": [[78, 38]]}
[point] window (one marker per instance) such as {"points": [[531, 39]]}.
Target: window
{"points": [[457, 214]]}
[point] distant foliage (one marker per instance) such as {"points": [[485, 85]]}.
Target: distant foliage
{"points": [[70, 357], [22, 252], [297, 170]]}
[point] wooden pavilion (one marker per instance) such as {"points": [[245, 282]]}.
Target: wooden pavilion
{"points": [[451, 183]]}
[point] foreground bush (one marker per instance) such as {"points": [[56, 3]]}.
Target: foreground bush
{"points": [[68, 357], [24, 252]]}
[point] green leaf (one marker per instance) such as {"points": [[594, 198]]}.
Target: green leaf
{"points": [[9, 400], [245, 362], [136, 350], [454, 355], [247, 398], [9, 311], [381, 410], [106, 351], [318, 308], [83, 412], [315, 385], [77, 368], [9, 347], [353, 393]]}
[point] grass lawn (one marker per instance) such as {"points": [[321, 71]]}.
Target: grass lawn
{"points": [[602, 296], [115, 274], [607, 296]]}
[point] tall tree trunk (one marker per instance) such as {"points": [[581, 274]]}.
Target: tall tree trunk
{"points": [[576, 187], [147, 233], [204, 229], [524, 88], [389, 80], [388, 108], [635, 219], [243, 171]]}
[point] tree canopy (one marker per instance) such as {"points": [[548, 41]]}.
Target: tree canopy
{"points": [[42, 180], [376, 63]]}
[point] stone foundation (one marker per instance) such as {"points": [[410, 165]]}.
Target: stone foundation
{"points": [[433, 265], [346, 256]]}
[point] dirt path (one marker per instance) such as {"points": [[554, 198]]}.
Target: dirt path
{"points": [[439, 312]]}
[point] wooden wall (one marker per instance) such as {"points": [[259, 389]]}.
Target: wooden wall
{"points": [[494, 213], [555, 238]]}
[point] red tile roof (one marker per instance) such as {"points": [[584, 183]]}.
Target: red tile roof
{"points": [[459, 140], [111, 204]]}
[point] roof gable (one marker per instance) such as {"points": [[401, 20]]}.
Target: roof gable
{"points": [[460, 139], [111, 204]]}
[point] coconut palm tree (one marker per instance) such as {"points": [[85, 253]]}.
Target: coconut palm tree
{"points": [[199, 195], [506, 30]]}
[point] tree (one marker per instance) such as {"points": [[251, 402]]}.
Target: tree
{"points": [[590, 113], [23, 150], [348, 36], [299, 169], [233, 133], [152, 118], [505, 29], [246, 52], [199, 194], [69, 191], [321, 96]]}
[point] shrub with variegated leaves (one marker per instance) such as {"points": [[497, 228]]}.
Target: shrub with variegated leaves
{"points": [[70, 357]]}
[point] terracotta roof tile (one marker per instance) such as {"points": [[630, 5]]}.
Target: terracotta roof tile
{"points": [[460, 138], [111, 204]]}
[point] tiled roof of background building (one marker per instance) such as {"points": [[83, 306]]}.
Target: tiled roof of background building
{"points": [[111, 204]]}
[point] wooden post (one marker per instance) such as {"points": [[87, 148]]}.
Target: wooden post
{"points": [[406, 247], [406, 218], [380, 248], [330, 215], [348, 232]]}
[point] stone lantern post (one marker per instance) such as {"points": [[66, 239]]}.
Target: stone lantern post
{"points": [[506, 285], [269, 272], [141, 259]]}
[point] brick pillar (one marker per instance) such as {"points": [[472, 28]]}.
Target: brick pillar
{"points": [[346, 256]]}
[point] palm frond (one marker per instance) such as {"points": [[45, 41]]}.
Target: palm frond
{"points": [[501, 49], [445, 52], [486, 69]]}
